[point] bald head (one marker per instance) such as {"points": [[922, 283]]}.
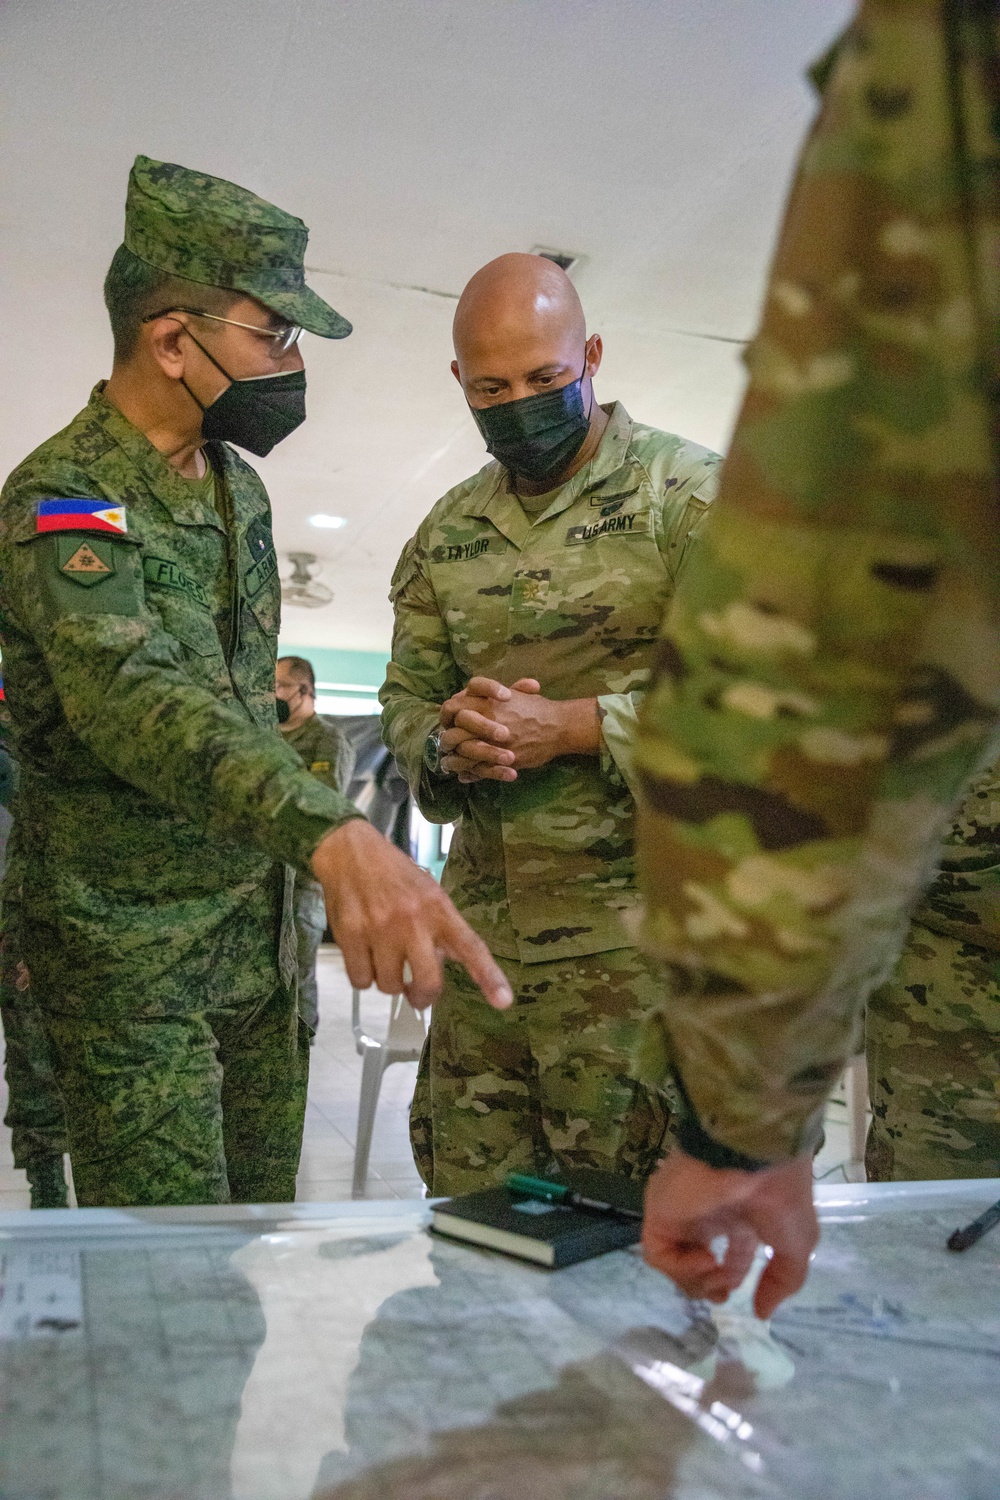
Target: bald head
{"points": [[514, 297], [519, 329]]}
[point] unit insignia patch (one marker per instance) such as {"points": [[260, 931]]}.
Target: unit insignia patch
{"points": [[85, 562]]}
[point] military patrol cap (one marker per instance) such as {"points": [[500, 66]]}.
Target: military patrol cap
{"points": [[208, 230]]}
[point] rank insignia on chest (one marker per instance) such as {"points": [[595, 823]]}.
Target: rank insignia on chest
{"points": [[85, 562], [263, 558], [80, 515], [258, 538]]}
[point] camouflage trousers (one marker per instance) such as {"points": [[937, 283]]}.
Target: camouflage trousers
{"points": [[933, 1043], [310, 925], [177, 1050], [545, 1084], [35, 1114]]}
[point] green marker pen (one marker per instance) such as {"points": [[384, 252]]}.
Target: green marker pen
{"points": [[558, 1192]]}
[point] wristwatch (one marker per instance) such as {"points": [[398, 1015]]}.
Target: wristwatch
{"points": [[433, 753]]}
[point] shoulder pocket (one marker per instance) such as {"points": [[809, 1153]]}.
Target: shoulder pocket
{"points": [[406, 570]]}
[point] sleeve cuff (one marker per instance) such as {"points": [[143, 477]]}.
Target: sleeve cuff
{"points": [[304, 819], [441, 799], [694, 1140], [619, 726]]}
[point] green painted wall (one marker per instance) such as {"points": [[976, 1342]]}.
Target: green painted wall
{"points": [[364, 668], [348, 669]]}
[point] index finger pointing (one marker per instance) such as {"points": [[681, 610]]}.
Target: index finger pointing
{"points": [[460, 943]]}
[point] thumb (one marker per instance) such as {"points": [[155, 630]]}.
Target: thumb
{"points": [[526, 685]]}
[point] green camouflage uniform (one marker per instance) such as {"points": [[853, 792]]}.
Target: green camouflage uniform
{"points": [[329, 755], [158, 804], [933, 1032], [829, 677], [542, 868]]}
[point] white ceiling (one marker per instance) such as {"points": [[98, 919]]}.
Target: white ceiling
{"points": [[418, 139]]}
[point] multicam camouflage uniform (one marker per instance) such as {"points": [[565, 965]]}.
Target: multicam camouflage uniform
{"points": [[329, 755], [933, 1032], [157, 802], [829, 677], [571, 594]]}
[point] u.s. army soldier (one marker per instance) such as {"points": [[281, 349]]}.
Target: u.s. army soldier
{"points": [[158, 804], [527, 607], [932, 1033], [830, 671]]}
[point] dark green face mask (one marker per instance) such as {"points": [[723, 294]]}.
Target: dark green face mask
{"points": [[538, 436], [254, 414]]}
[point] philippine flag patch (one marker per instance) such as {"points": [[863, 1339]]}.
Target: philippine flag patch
{"points": [[80, 515]]}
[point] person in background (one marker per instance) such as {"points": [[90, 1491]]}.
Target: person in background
{"points": [[329, 755], [35, 1116], [139, 624], [526, 611], [829, 675]]}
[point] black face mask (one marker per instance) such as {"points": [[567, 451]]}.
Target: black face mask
{"points": [[284, 710], [256, 413], [537, 436]]}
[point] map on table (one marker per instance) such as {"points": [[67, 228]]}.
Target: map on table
{"points": [[357, 1358]]}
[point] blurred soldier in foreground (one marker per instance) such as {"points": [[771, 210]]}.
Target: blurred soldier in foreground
{"points": [[34, 1114], [139, 628], [527, 607], [933, 1032], [829, 677], [329, 755]]}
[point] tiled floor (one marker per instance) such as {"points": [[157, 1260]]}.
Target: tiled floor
{"points": [[331, 1115]]}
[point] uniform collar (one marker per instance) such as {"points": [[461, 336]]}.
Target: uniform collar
{"points": [[180, 497], [493, 500]]}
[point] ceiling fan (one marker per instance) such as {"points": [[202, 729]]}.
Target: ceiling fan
{"points": [[301, 588]]}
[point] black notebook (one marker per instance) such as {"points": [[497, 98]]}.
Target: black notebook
{"points": [[548, 1234]]}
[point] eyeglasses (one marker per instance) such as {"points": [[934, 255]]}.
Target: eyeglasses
{"points": [[284, 338]]}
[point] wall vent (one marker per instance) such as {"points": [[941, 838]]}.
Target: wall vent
{"points": [[569, 260]]}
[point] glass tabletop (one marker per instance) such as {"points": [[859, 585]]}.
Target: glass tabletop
{"points": [[340, 1352]]}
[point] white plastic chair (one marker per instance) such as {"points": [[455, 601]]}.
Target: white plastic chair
{"points": [[856, 1095], [403, 1043]]}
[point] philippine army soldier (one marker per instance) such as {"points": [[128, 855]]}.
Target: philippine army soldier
{"points": [[157, 803], [329, 755], [830, 674], [932, 1034], [527, 606]]}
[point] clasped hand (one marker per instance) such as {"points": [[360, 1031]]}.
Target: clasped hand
{"points": [[491, 731]]}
